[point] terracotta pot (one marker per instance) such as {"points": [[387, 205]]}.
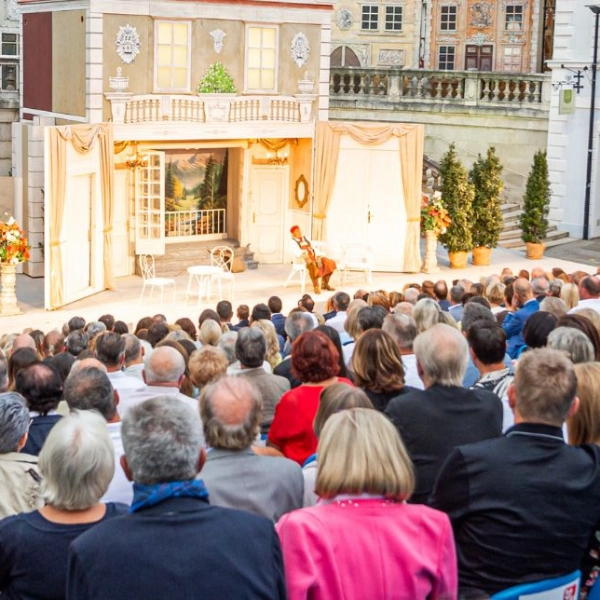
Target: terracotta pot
{"points": [[535, 251], [458, 260], [482, 256]]}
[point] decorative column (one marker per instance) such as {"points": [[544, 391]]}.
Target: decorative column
{"points": [[430, 264], [8, 295]]}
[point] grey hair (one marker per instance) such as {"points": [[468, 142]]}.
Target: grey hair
{"points": [[227, 343], [573, 342], [94, 328], [474, 312], [90, 388], [456, 293], [77, 461], [442, 352], [540, 285], [223, 430], [426, 313], [77, 342], [554, 305], [251, 347], [3, 372], [411, 295], [165, 364], [402, 328], [133, 348], [297, 323], [554, 286], [14, 421], [178, 334], [162, 439]]}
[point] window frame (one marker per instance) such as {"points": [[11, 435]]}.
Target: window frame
{"points": [[512, 47], [400, 7], [444, 23], [171, 89], [248, 89], [514, 10], [370, 6], [439, 57]]}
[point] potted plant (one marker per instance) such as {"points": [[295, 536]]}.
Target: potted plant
{"points": [[214, 87], [13, 250], [487, 213], [434, 222], [536, 204], [457, 198]]}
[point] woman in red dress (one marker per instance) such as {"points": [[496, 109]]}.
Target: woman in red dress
{"points": [[315, 362]]}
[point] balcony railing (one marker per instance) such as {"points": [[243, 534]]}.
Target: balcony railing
{"points": [[191, 223], [468, 88]]}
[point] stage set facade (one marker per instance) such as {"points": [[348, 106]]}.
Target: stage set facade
{"points": [[117, 155]]}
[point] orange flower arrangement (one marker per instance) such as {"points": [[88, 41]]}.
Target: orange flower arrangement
{"points": [[13, 242], [434, 216]]}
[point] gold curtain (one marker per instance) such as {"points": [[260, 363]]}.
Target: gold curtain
{"points": [[328, 148], [84, 139], [58, 161], [411, 140], [276, 144]]}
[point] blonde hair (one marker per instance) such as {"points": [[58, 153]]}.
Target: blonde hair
{"points": [[335, 398], [360, 451], [584, 425], [351, 323], [206, 365], [210, 333], [273, 355], [569, 292], [495, 292]]}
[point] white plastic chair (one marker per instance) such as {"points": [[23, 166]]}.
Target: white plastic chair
{"points": [[565, 587], [298, 271], [356, 258], [148, 270], [222, 257]]}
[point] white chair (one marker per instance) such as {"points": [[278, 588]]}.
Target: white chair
{"points": [[298, 271], [565, 587], [356, 258], [148, 270], [222, 257]]}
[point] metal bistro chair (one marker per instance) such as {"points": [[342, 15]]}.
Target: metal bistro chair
{"points": [[565, 587], [222, 257], [148, 269]]}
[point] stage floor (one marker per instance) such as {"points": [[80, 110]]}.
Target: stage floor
{"points": [[257, 285]]}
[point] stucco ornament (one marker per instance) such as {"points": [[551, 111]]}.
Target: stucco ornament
{"points": [[300, 49], [128, 43], [345, 19], [218, 35], [481, 15], [12, 14]]}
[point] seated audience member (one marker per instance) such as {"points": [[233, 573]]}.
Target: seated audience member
{"points": [[537, 329], [589, 294], [333, 399], [487, 346], [554, 287], [134, 357], [121, 327], [569, 293], [234, 475], [188, 326], [378, 368], [53, 343], [19, 359], [583, 426], [77, 465], [403, 330], [243, 315], [524, 304], [573, 342], [89, 388], [585, 325], [352, 328], [157, 332], [275, 306], [273, 352], [125, 558], [553, 305], [432, 422], [540, 286], [334, 336], [19, 476], [440, 292], [207, 365], [77, 341], [426, 313], [315, 364], [328, 548], [495, 295], [381, 299], [41, 386], [225, 312], [523, 506], [340, 302], [457, 293], [295, 325], [110, 351], [227, 344], [411, 295], [23, 340], [250, 350], [62, 362], [210, 333], [93, 328]]}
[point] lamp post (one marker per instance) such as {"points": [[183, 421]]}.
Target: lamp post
{"points": [[588, 177]]}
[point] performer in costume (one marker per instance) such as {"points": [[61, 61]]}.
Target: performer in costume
{"points": [[318, 267]]}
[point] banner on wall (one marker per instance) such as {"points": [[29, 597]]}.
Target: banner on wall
{"points": [[566, 103]]}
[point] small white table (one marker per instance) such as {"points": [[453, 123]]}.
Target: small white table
{"points": [[202, 275]]}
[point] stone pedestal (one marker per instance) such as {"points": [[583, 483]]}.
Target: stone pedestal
{"points": [[8, 295], [430, 264]]}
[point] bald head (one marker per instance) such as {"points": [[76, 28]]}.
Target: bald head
{"points": [[165, 366], [87, 363], [231, 412], [589, 287], [523, 290], [23, 341]]}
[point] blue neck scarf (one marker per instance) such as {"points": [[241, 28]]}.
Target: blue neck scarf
{"points": [[145, 496]]}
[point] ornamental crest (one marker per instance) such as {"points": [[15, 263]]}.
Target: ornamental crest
{"points": [[481, 15], [128, 43], [300, 49], [344, 19], [218, 35]]}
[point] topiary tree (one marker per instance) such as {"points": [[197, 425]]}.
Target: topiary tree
{"points": [[487, 213], [536, 202], [457, 197], [216, 80]]}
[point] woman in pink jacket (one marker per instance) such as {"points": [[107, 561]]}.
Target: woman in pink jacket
{"points": [[362, 541]]}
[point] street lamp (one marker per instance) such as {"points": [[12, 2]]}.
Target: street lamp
{"points": [[595, 8]]}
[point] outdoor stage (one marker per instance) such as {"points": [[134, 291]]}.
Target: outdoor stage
{"points": [[251, 287]]}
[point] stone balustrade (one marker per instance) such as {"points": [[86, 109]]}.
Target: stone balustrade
{"points": [[467, 88], [128, 108]]}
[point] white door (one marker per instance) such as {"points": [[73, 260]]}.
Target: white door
{"points": [[150, 205], [268, 197]]}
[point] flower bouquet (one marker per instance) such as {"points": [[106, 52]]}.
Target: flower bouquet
{"points": [[434, 216], [13, 242]]}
